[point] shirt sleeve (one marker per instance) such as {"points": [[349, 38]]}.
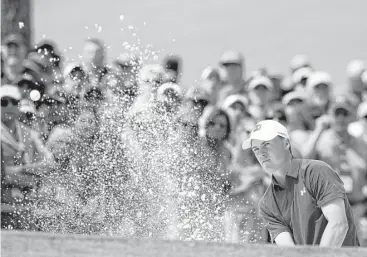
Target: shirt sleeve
{"points": [[273, 224], [324, 184]]}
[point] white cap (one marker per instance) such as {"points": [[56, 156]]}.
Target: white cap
{"points": [[70, 67], [162, 89], [355, 68], [10, 91], [364, 77], [151, 73], [292, 96], [27, 106], [301, 73], [231, 99], [318, 77], [266, 130], [210, 72], [261, 80], [299, 61], [362, 110]]}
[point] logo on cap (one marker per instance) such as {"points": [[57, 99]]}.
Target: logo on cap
{"points": [[257, 127]]}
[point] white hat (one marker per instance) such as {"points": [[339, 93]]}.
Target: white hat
{"points": [[210, 72], [318, 77], [27, 106], [162, 89], [301, 73], [260, 80], [266, 130], [231, 99], [10, 91], [299, 61], [362, 109], [231, 57], [355, 68], [292, 96], [151, 73], [70, 67], [364, 77]]}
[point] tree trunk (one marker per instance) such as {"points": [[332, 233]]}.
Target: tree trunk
{"points": [[16, 18]]}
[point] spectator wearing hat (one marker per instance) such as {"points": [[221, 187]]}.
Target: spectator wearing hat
{"points": [[25, 158], [30, 88], [215, 128], [319, 94], [300, 68], [52, 111], [241, 221], [331, 142], [299, 61], [173, 68], [48, 50], [211, 81], [74, 79], [13, 54], [355, 69], [45, 69], [294, 104], [358, 128], [260, 94], [364, 81], [232, 65], [28, 113], [127, 67], [169, 97], [94, 55]]}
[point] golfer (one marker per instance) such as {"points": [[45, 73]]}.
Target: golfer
{"points": [[306, 203]]}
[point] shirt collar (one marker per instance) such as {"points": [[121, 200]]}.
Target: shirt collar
{"points": [[296, 164]]}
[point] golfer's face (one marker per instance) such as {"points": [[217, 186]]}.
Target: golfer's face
{"points": [[270, 154]]}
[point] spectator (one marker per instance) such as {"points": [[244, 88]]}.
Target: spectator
{"points": [[211, 179], [169, 96], [233, 65], [299, 61], [211, 82], [30, 88], [355, 68], [341, 150], [57, 196], [127, 67], [300, 68], [260, 92], [94, 55], [319, 94], [13, 54], [25, 158], [300, 77], [358, 128], [173, 68]]}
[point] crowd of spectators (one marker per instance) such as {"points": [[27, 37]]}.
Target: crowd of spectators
{"points": [[125, 149]]}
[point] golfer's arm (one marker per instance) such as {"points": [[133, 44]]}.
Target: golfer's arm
{"points": [[284, 239], [337, 227]]}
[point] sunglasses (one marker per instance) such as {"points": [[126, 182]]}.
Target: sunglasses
{"points": [[202, 103], [94, 94], [5, 102], [230, 64], [51, 102], [342, 112], [212, 124]]}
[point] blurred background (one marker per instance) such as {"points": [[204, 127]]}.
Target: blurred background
{"points": [[269, 33], [127, 118]]}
